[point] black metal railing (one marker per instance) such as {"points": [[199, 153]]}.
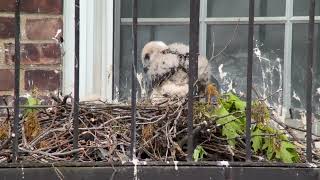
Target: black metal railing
{"points": [[194, 50], [76, 78], [249, 79], [16, 132], [134, 78]]}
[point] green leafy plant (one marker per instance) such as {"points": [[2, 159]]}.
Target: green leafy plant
{"points": [[31, 101], [266, 141], [31, 122], [232, 127], [199, 153]]}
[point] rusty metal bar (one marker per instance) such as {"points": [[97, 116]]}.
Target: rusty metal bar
{"points": [[76, 79], [133, 78], [309, 76], [249, 80], [193, 70], [15, 134]]}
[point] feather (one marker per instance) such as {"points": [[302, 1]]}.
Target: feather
{"points": [[167, 68]]}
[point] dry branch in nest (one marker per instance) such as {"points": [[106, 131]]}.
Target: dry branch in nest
{"points": [[105, 134]]}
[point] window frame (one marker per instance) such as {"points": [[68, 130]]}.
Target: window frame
{"points": [[96, 49], [107, 26], [287, 20]]}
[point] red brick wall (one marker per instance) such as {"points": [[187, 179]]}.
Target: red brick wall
{"points": [[40, 55]]}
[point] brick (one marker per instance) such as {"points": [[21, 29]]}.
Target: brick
{"points": [[34, 53], [43, 29], [6, 80], [7, 27], [51, 51], [7, 5], [42, 79], [33, 6]]}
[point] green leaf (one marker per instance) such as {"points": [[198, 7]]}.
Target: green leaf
{"points": [[233, 103], [256, 140], [198, 153], [231, 125], [287, 152], [31, 101], [269, 147]]}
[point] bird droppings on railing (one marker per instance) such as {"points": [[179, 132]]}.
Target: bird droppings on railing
{"points": [[223, 163], [312, 165], [135, 162], [22, 172], [176, 165]]}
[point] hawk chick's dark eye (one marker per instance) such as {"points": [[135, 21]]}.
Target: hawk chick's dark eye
{"points": [[145, 69], [147, 57]]}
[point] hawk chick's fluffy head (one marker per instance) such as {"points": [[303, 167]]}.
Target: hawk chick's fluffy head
{"points": [[149, 50]]}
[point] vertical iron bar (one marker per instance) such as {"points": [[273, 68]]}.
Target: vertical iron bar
{"points": [[193, 70], [309, 77], [133, 77], [249, 80], [76, 79], [16, 133]]}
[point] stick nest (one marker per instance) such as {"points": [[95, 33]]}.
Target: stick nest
{"points": [[105, 134]]}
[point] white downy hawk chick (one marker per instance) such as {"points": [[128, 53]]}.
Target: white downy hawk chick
{"points": [[167, 69]]}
